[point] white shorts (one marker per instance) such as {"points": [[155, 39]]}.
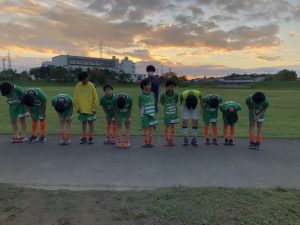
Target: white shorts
{"points": [[189, 113]]}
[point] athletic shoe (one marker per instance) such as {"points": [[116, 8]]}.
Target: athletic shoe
{"points": [[207, 141], [15, 140], [106, 142], [226, 142], [167, 143], [126, 145], [194, 141], [33, 139], [185, 141], [150, 145], [83, 141], [23, 139], [257, 146], [62, 142], [112, 141], [145, 145], [67, 142], [42, 139], [231, 142], [119, 145], [171, 143], [252, 145], [91, 140], [215, 141]]}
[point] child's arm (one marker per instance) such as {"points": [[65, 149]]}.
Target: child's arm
{"points": [[95, 99], [76, 105], [201, 102], [161, 100], [181, 99]]}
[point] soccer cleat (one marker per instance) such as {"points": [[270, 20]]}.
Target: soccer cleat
{"points": [[145, 145], [106, 142], [150, 145], [185, 141], [67, 142], [171, 143], [226, 142], [215, 141], [257, 146], [167, 143], [207, 141], [62, 142], [231, 142], [33, 139], [15, 140], [126, 145], [24, 139], [194, 141], [112, 141], [252, 145], [83, 141], [91, 140], [42, 139], [119, 145]]}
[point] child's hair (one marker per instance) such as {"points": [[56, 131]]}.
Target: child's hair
{"points": [[191, 101], [82, 76], [170, 82], [28, 100], [6, 88], [258, 97], [60, 107], [121, 101], [150, 68], [232, 117], [106, 86], [144, 82], [214, 101]]}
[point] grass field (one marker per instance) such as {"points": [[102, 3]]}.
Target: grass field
{"points": [[177, 206], [281, 119]]}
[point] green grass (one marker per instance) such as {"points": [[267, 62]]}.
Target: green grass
{"points": [[176, 206], [282, 119]]}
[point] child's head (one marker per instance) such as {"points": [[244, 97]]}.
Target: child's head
{"points": [[213, 101], [258, 97], [232, 117], [60, 106], [231, 108], [6, 88], [108, 90], [146, 85], [170, 85], [83, 77], [191, 101], [150, 69], [121, 101], [28, 99]]}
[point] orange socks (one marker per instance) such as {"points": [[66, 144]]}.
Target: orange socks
{"points": [[259, 139], [173, 132], [252, 138], [225, 131], [43, 125], [107, 130], [232, 131], [34, 127], [215, 131], [206, 131], [166, 133]]}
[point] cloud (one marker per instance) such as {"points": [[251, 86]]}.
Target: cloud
{"points": [[269, 58]]}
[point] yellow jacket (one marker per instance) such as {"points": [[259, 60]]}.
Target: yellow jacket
{"points": [[86, 98]]}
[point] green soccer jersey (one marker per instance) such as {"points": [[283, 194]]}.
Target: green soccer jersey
{"points": [[127, 106], [68, 101], [170, 104], [147, 104], [107, 103], [257, 108], [206, 102], [224, 107], [15, 96], [39, 96]]}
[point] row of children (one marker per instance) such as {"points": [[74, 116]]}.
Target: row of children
{"points": [[118, 107]]}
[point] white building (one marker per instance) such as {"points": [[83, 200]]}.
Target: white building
{"points": [[75, 62]]}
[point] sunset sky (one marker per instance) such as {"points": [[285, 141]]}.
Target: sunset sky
{"points": [[189, 36]]}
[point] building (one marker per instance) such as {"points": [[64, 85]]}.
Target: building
{"points": [[75, 62]]}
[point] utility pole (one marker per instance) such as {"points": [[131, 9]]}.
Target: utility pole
{"points": [[9, 61], [3, 63]]}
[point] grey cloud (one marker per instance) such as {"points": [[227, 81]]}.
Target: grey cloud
{"points": [[269, 58]]}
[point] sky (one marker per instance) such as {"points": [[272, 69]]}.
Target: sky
{"points": [[185, 36]]}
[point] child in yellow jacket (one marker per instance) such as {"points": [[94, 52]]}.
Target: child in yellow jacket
{"points": [[86, 103]]}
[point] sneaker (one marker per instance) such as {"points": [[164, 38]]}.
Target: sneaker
{"points": [[15, 140], [257, 146], [194, 141], [112, 141], [167, 143], [119, 145], [91, 140], [62, 142], [23, 139], [42, 139], [252, 145], [150, 145], [185, 141], [171, 143], [126, 145], [107, 141], [145, 145], [215, 141], [67, 142], [231, 142], [83, 141], [207, 141], [33, 139], [226, 142]]}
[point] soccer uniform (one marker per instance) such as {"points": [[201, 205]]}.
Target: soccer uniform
{"points": [[224, 109], [210, 115], [170, 108], [107, 103], [39, 106], [16, 108], [68, 103], [189, 113], [147, 104], [257, 108], [86, 101], [122, 113]]}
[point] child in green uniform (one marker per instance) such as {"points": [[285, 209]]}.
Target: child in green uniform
{"points": [[122, 104], [86, 102], [230, 117], [147, 105], [63, 105], [189, 110], [169, 100], [210, 116], [36, 101], [106, 101], [257, 105], [17, 110]]}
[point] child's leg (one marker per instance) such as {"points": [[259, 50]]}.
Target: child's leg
{"points": [[23, 125], [68, 129], [206, 131], [146, 135], [43, 125], [195, 128], [150, 136], [118, 133], [91, 129], [173, 132], [167, 126], [232, 131], [114, 129], [185, 127], [107, 129], [215, 129], [34, 126], [62, 128], [127, 138], [259, 136], [84, 129], [14, 123], [251, 131], [225, 131]]}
